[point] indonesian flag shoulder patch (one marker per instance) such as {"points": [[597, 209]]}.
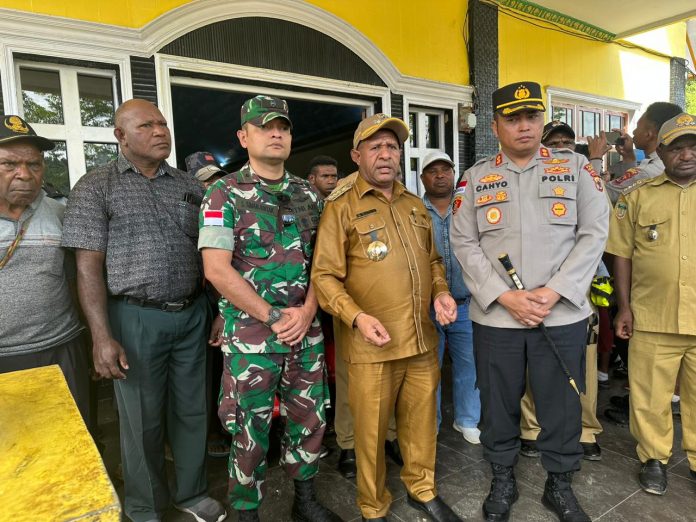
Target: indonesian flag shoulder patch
{"points": [[212, 218]]}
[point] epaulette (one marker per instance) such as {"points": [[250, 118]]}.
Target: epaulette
{"points": [[484, 160], [633, 186], [342, 188], [413, 194]]}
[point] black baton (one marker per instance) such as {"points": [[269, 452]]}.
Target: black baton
{"points": [[507, 265]]}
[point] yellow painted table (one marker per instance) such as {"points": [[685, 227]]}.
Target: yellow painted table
{"points": [[50, 469]]}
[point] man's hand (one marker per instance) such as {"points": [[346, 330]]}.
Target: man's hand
{"points": [[109, 358], [623, 323], [372, 330], [551, 296], [598, 146], [445, 309], [216, 330], [525, 307], [294, 324]]}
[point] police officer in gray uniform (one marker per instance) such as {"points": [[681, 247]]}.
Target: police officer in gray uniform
{"points": [[645, 137], [548, 211]]}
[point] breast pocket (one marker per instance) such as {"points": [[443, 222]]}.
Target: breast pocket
{"points": [[557, 203], [370, 231], [256, 242], [491, 214], [421, 226], [652, 230], [307, 227], [187, 214]]}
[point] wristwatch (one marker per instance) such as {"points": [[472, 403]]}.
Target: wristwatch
{"points": [[274, 315]]}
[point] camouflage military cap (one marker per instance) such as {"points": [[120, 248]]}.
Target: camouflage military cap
{"points": [[202, 166], [372, 124], [259, 110], [678, 126]]}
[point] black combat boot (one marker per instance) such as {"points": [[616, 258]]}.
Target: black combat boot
{"points": [[307, 508], [560, 498], [503, 493], [248, 515]]}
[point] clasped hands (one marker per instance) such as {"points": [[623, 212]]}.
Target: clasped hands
{"points": [[529, 307]]}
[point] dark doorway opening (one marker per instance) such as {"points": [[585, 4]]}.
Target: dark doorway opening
{"points": [[207, 119]]}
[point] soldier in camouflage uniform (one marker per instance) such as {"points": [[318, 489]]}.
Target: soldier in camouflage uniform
{"points": [[257, 230]]}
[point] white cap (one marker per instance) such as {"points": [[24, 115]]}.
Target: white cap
{"points": [[436, 155]]}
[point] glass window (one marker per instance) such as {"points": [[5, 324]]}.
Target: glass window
{"points": [[41, 96], [590, 123], [413, 125], [432, 131], [99, 153], [96, 100], [564, 114], [615, 121], [57, 173]]}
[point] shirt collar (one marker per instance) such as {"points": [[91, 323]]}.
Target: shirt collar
{"points": [[246, 174], [428, 204], [363, 187], [123, 164], [663, 178]]}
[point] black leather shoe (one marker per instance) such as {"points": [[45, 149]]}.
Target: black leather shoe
{"points": [[653, 477], [503, 494], [436, 509], [380, 519], [393, 451], [346, 464], [619, 401], [591, 451], [559, 497], [618, 417], [528, 448]]}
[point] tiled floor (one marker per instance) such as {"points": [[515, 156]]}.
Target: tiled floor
{"points": [[608, 490]]}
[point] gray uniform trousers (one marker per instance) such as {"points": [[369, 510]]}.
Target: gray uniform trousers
{"points": [[164, 390]]}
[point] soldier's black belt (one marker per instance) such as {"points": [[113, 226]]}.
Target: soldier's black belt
{"points": [[165, 307]]}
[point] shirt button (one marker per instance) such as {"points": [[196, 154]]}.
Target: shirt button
{"points": [[372, 226], [683, 283], [684, 257]]}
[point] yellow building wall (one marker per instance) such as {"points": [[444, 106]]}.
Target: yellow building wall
{"points": [[422, 42], [603, 69]]}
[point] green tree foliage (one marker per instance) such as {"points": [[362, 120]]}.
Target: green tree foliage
{"points": [[691, 96]]}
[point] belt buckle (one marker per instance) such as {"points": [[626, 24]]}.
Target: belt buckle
{"points": [[173, 307]]}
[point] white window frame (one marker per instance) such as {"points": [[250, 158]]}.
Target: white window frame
{"points": [[584, 101], [411, 178], [71, 131], [238, 73]]}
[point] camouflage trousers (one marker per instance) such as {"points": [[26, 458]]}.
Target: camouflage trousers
{"points": [[249, 386]]}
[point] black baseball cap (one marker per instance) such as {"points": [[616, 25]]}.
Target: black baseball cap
{"points": [[14, 128]]}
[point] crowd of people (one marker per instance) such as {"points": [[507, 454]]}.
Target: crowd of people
{"points": [[202, 291]]}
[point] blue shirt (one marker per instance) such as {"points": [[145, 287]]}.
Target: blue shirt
{"points": [[441, 226]]}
